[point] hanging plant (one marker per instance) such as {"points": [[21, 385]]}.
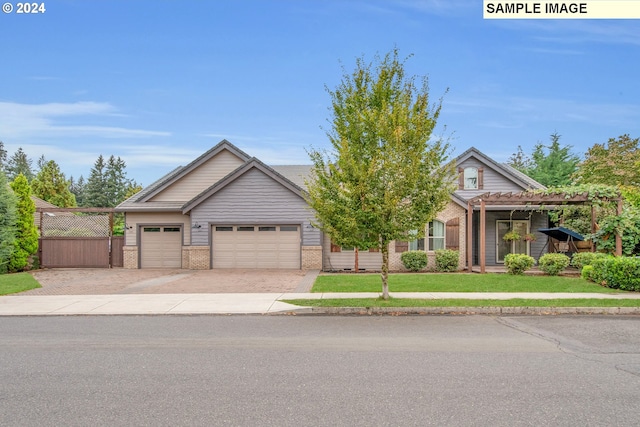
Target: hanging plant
{"points": [[530, 237], [511, 236]]}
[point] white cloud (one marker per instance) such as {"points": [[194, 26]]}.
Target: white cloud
{"points": [[22, 121]]}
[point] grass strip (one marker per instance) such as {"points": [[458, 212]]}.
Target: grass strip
{"points": [[456, 282], [516, 302], [17, 282]]}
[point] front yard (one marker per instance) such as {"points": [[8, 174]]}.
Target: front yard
{"points": [[455, 282], [17, 282]]}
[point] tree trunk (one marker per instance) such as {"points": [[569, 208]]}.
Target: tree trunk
{"points": [[385, 271], [355, 266]]}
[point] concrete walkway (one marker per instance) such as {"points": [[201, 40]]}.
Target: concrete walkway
{"points": [[270, 303]]}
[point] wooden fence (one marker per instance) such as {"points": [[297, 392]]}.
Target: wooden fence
{"points": [[78, 252]]}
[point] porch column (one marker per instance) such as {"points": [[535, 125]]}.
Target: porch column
{"points": [[618, 236], [470, 236], [483, 240]]}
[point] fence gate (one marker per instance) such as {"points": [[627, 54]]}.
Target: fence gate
{"points": [[78, 237]]}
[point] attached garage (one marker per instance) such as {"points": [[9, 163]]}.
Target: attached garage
{"points": [[161, 246], [256, 246]]}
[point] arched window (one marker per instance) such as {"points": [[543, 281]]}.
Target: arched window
{"points": [[436, 235], [470, 178]]}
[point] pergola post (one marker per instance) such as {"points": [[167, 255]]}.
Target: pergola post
{"points": [[593, 227], [470, 236], [483, 239]]}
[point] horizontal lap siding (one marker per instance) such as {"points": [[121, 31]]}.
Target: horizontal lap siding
{"points": [[492, 181], [254, 199], [149, 218], [536, 221]]}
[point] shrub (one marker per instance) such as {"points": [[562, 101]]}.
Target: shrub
{"points": [[616, 273], [414, 260], [553, 263], [587, 272], [447, 260], [580, 259], [518, 263]]}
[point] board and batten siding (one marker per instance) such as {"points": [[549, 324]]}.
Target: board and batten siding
{"points": [[253, 199], [493, 181], [201, 178], [150, 218]]}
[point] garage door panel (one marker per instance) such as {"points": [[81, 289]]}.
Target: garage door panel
{"points": [[256, 247], [161, 247]]}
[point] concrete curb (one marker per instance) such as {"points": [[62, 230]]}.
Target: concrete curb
{"points": [[459, 311]]}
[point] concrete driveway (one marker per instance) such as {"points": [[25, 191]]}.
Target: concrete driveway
{"points": [[98, 281]]}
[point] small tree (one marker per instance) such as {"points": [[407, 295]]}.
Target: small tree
{"points": [[7, 223], [26, 243], [384, 175], [18, 164]]}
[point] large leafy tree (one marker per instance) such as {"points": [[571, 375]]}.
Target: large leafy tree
{"points": [[7, 223], [26, 243], [51, 185], [19, 163], [615, 163], [384, 174], [551, 165]]}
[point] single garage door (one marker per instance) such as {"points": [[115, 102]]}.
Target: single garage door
{"points": [[256, 246], [161, 247]]}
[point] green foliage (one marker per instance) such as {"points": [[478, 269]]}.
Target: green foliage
{"points": [[107, 185], [414, 260], [77, 188], [627, 224], [447, 260], [616, 272], [518, 263], [18, 164], [587, 272], [7, 223], [550, 165], [51, 185], [384, 174], [3, 157], [26, 243], [615, 163], [581, 259], [17, 282], [553, 263]]}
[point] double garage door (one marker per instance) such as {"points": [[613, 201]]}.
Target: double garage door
{"points": [[256, 246]]}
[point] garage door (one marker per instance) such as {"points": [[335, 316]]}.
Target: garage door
{"points": [[161, 247], [256, 246]]}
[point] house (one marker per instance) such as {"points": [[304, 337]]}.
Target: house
{"points": [[227, 209]]}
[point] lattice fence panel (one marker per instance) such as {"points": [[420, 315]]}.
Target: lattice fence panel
{"points": [[66, 224]]}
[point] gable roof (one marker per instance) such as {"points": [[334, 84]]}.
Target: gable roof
{"points": [[502, 168], [253, 163], [180, 172]]}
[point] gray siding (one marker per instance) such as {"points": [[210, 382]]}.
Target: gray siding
{"points": [[492, 181], [253, 198], [537, 220]]}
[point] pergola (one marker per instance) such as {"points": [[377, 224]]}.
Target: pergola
{"points": [[528, 199]]}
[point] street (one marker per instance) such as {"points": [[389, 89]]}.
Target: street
{"points": [[316, 370]]}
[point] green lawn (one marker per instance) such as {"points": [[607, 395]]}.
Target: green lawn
{"points": [[402, 302], [455, 282], [17, 282]]}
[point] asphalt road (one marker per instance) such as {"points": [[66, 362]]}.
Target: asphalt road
{"points": [[305, 370]]}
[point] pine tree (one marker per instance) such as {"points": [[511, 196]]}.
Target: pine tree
{"points": [[51, 185], [18, 164], [94, 193], [3, 157], [107, 185], [77, 188], [26, 243], [7, 223]]}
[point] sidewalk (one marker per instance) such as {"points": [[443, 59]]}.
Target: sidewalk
{"points": [[270, 303]]}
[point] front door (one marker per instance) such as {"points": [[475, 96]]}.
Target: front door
{"points": [[503, 247]]}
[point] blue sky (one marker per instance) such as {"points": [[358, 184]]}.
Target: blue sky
{"points": [[159, 82]]}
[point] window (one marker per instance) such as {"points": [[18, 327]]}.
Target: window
{"points": [[416, 244], [267, 228], [470, 178], [151, 229], [246, 229], [436, 235], [224, 228], [288, 228], [171, 229]]}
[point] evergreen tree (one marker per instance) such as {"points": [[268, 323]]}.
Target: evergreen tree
{"points": [[94, 192], [7, 223], [18, 164], [108, 185], [519, 160], [3, 157], [26, 243], [78, 188], [51, 185], [552, 165]]}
